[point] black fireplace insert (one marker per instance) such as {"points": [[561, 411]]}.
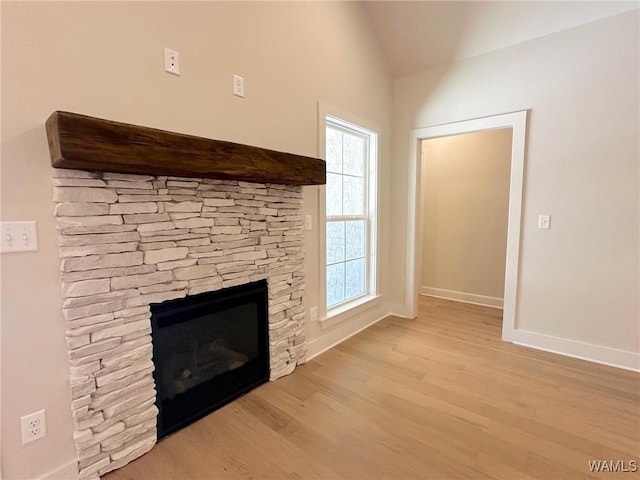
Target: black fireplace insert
{"points": [[208, 349]]}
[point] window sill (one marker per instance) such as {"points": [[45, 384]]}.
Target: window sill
{"points": [[349, 310]]}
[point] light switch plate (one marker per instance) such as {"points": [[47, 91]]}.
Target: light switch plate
{"points": [[19, 236], [544, 222]]}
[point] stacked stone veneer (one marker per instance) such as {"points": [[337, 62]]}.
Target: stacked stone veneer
{"points": [[127, 241]]}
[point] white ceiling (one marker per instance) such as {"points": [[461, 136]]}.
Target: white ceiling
{"points": [[416, 35]]}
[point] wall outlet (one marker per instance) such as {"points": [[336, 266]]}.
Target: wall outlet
{"points": [[308, 222], [313, 313], [238, 86], [171, 61], [34, 426]]}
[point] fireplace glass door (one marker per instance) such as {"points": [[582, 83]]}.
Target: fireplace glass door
{"points": [[208, 349]]}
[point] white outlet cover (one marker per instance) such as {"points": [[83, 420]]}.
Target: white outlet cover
{"points": [[238, 86], [171, 61], [34, 426]]}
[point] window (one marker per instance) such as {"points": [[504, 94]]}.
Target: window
{"points": [[350, 213]]}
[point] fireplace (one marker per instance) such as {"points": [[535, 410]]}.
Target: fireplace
{"points": [[207, 350], [148, 219], [131, 243]]}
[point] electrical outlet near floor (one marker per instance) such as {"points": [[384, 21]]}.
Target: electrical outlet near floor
{"points": [[34, 426]]}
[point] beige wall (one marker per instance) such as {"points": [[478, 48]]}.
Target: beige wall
{"points": [[105, 59], [465, 202], [579, 280]]}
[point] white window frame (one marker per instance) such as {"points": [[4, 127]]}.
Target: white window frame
{"points": [[349, 308]]}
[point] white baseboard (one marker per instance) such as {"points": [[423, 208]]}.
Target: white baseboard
{"points": [[68, 471], [584, 351], [494, 302], [343, 332]]}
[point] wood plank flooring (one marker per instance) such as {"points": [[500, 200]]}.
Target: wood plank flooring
{"points": [[439, 397]]}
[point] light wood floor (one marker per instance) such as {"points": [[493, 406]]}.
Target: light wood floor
{"points": [[439, 397]]}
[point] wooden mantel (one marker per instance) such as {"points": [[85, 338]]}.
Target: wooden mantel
{"points": [[88, 143]]}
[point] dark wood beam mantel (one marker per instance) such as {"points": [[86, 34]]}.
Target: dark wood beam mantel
{"points": [[87, 143]]}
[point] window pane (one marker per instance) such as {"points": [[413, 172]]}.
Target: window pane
{"points": [[354, 278], [355, 236], [334, 194], [353, 155], [353, 196], [335, 284], [335, 242], [350, 176], [334, 151]]}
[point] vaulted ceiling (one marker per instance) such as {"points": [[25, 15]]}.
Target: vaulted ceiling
{"points": [[416, 35]]}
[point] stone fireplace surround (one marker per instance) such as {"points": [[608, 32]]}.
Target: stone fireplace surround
{"points": [[127, 241]]}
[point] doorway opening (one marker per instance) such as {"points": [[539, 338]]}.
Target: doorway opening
{"points": [[517, 122], [463, 212]]}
